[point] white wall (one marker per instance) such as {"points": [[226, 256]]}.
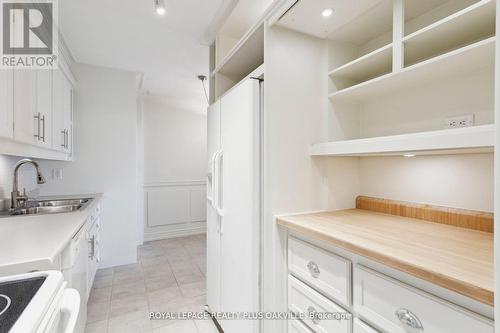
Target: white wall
{"points": [[174, 141], [174, 167], [105, 134], [462, 181]]}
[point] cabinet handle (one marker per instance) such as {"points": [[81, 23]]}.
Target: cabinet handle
{"points": [[313, 314], [43, 128], [409, 320], [313, 269], [92, 247], [67, 139], [37, 117], [63, 132]]}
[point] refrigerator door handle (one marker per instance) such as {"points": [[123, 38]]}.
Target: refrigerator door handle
{"points": [[218, 182], [211, 176]]}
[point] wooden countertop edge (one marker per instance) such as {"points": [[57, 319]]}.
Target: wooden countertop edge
{"points": [[463, 288]]}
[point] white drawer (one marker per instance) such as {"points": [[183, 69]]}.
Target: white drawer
{"points": [[378, 298], [323, 270], [303, 299], [296, 326], [361, 327]]}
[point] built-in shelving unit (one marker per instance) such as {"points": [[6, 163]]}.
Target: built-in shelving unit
{"points": [[248, 53], [238, 48], [381, 51], [467, 59], [478, 139], [366, 67], [473, 23]]}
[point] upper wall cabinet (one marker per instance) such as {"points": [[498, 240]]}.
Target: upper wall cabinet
{"points": [[6, 103], [36, 114], [62, 112]]}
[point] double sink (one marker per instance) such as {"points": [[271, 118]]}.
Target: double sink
{"points": [[49, 207]]}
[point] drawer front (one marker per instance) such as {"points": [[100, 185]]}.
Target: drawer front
{"points": [[322, 270], [296, 326], [361, 327], [303, 299], [383, 301]]}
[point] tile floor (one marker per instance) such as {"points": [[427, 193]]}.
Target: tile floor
{"points": [[169, 277]]}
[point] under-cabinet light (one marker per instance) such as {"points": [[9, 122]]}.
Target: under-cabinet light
{"points": [[409, 155], [327, 12], [160, 7]]}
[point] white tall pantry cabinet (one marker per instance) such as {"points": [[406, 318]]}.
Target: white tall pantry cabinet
{"points": [[377, 100]]}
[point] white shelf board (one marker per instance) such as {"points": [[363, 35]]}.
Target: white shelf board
{"points": [[368, 66], [477, 139], [470, 24], [470, 58], [245, 56]]}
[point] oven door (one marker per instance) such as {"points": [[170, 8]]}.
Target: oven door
{"points": [[65, 313]]}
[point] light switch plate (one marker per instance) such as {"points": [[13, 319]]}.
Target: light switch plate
{"points": [[462, 121]]}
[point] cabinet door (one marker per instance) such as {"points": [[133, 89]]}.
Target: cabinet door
{"points": [[44, 107], [7, 103], [26, 127], [68, 114], [58, 93]]}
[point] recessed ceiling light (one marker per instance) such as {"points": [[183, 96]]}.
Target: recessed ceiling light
{"points": [[409, 155], [160, 7], [327, 12]]}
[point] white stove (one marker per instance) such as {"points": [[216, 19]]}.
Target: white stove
{"points": [[37, 303]]}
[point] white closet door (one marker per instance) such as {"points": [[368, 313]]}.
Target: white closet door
{"points": [[7, 103], [240, 204]]}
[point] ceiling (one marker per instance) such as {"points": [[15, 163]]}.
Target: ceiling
{"points": [[128, 34]]}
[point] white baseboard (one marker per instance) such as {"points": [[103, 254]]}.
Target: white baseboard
{"points": [[174, 233]]}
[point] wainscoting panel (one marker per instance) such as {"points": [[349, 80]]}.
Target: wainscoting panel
{"points": [[174, 209]]}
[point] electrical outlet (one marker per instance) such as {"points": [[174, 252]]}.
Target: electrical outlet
{"points": [[462, 121]]}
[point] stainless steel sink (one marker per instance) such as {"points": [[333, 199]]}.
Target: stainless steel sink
{"points": [[42, 207], [68, 202], [46, 210]]}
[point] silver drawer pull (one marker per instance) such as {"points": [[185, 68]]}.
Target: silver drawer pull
{"points": [[313, 315], [409, 320], [313, 269]]}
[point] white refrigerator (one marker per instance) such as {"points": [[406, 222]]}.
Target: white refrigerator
{"points": [[234, 204]]}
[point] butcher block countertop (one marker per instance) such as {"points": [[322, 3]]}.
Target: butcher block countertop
{"points": [[455, 258]]}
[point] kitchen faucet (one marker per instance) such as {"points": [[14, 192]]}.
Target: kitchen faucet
{"points": [[18, 199]]}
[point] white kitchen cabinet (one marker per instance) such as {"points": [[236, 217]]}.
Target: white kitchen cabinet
{"points": [[44, 107], [360, 327], [94, 225], [399, 308], [62, 112], [27, 128], [7, 103]]}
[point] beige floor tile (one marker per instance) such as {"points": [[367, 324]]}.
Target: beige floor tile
{"points": [[103, 281], [206, 326], [189, 277], [193, 289], [100, 295], [97, 312], [104, 272], [123, 307], [134, 322], [164, 296], [128, 290], [155, 283], [97, 327], [181, 326]]}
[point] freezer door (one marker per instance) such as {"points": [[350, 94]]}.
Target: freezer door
{"points": [[213, 220], [240, 199]]}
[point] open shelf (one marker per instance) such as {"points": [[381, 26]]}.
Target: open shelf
{"points": [[469, 25], [245, 56], [467, 59], [371, 65], [477, 139]]}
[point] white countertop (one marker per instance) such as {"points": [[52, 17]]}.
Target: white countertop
{"points": [[34, 242]]}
